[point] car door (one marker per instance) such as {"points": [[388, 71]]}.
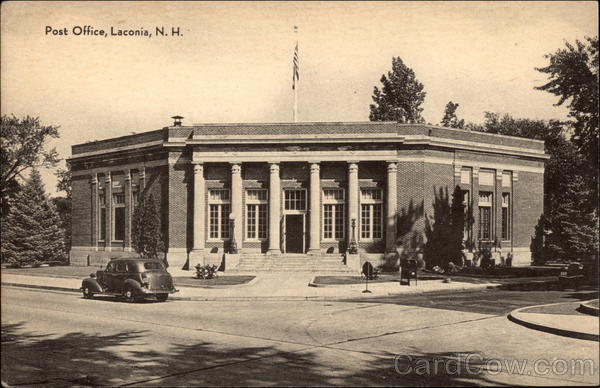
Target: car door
{"points": [[119, 276], [107, 278]]}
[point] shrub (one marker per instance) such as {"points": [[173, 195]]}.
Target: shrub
{"points": [[207, 271]]}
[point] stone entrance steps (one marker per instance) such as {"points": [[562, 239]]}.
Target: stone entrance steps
{"points": [[292, 263]]}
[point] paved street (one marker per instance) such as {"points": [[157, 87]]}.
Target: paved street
{"points": [[57, 339]]}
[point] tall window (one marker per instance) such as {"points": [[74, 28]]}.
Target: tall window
{"points": [[506, 217], [485, 215], [295, 199], [102, 218], [256, 214], [370, 214], [219, 203], [333, 214], [118, 219]]}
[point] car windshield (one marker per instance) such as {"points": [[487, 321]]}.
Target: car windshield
{"points": [[153, 265]]}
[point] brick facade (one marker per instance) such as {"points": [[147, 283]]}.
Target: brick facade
{"points": [[429, 162]]}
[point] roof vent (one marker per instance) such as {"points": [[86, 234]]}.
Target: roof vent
{"points": [[177, 121]]}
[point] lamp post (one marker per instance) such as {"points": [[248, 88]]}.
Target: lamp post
{"points": [[232, 243], [353, 248]]}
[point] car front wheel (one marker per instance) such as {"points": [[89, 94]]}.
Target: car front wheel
{"points": [[87, 293]]}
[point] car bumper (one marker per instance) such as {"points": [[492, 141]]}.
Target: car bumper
{"points": [[159, 291]]}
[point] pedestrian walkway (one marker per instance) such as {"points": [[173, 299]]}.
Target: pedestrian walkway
{"points": [[266, 286], [566, 319]]}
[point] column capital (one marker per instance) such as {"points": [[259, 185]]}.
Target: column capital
{"points": [[457, 170], [315, 167], [142, 172], [352, 166], [94, 179], [515, 176], [392, 166], [128, 175], [498, 174], [198, 168], [236, 168], [107, 176], [274, 167]]}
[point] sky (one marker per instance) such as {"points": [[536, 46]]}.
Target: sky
{"points": [[232, 61]]}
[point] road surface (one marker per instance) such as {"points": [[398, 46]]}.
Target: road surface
{"points": [[60, 339]]}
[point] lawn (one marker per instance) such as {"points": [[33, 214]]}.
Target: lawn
{"points": [[229, 280], [65, 271]]}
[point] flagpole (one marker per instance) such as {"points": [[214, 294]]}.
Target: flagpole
{"points": [[296, 77], [296, 102]]}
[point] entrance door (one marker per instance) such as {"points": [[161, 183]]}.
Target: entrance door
{"points": [[294, 233]]}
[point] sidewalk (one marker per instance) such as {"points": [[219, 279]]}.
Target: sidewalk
{"points": [[566, 319], [266, 286]]}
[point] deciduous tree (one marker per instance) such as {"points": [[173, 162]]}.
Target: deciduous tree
{"points": [[400, 97], [573, 73], [22, 146], [450, 119]]}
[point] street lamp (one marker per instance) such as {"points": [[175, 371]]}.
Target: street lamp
{"points": [[232, 243], [353, 248]]}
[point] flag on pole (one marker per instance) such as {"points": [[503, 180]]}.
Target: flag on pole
{"points": [[296, 75]]}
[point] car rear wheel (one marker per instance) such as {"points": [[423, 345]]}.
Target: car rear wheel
{"points": [[162, 297], [129, 295], [87, 293]]}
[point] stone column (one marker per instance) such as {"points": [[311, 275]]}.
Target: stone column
{"points": [[142, 182], [352, 201], [108, 202], [128, 211], [95, 210], [475, 202], [315, 207], [498, 208], [391, 206], [199, 219], [274, 208], [236, 202]]}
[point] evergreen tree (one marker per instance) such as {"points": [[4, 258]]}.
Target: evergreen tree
{"points": [[146, 237], [457, 227], [437, 231], [400, 97], [578, 230], [450, 119], [31, 232]]}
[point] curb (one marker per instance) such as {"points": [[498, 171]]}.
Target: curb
{"points": [[52, 288], [513, 316], [261, 298], [586, 308]]}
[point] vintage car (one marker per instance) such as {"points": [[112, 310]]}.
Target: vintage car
{"points": [[132, 279]]}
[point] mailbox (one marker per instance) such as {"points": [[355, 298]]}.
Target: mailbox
{"points": [[408, 271]]}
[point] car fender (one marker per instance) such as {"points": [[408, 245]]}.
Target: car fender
{"points": [[133, 284], [92, 284]]}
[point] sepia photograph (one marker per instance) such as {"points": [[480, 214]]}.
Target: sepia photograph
{"points": [[299, 193]]}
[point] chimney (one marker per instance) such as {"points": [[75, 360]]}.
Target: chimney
{"points": [[177, 121]]}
